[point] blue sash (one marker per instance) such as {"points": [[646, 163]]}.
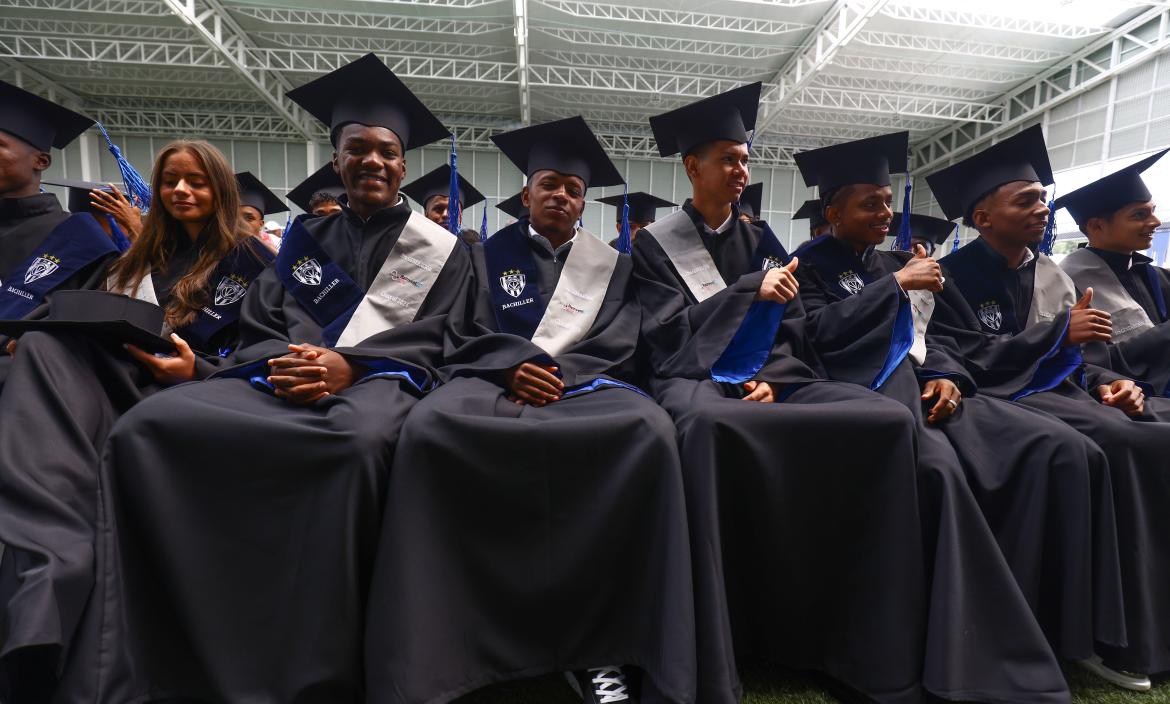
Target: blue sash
{"points": [[70, 247], [316, 282], [513, 281], [846, 275], [230, 280], [1156, 289], [749, 348]]}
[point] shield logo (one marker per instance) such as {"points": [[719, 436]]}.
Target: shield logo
{"points": [[513, 281], [770, 263], [851, 282], [229, 291], [308, 272], [990, 315], [39, 269]]}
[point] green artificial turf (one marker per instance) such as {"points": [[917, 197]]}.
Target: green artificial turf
{"points": [[765, 684]]}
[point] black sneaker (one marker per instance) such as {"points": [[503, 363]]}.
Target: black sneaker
{"points": [[602, 685]]}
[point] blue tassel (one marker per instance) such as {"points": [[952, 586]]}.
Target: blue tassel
{"points": [[483, 225], [1050, 228], [624, 244], [902, 241], [750, 140], [453, 215], [955, 246], [137, 189], [121, 241]]}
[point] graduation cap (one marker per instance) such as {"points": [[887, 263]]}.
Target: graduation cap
{"points": [[39, 122], [78, 192], [108, 316], [868, 160], [813, 211], [1107, 195], [727, 116], [642, 205], [367, 92], [925, 227], [751, 200], [566, 146], [257, 195], [437, 182], [323, 179], [514, 206], [1022, 157]]}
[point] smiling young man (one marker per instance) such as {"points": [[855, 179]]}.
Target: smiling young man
{"points": [[543, 487], [1023, 532], [42, 248], [778, 542], [1116, 213], [255, 497], [1021, 334]]}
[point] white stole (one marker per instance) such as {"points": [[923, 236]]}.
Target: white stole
{"points": [[1088, 270], [921, 308], [579, 293], [1052, 292], [144, 291], [403, 282], [676, 234]]}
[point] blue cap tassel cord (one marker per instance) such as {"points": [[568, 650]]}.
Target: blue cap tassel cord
{"points": [[137, 189], [1050, 228], [483, 224], [454, 216], [902, 241], [624, 244], [955, 246]]}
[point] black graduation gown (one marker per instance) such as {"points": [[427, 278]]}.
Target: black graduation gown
{"points": [[521, 540], [1142, 357], [72, 389], [238, 531], [786, 520], [1004, 365], [1042, 488], [24, 223]]}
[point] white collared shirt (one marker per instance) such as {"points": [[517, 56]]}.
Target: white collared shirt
{"points": [[556, 251], [722, 228]]}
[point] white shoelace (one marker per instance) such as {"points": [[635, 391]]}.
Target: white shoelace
{"points": [[609, 684]]}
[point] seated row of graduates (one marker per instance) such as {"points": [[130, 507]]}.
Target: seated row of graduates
{"points": [[424, 468]]}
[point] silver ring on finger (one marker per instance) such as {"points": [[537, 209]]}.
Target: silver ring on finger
{"points": [[952, 403]]}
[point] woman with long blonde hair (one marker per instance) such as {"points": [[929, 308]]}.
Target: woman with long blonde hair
{"points": [[194, 259]]}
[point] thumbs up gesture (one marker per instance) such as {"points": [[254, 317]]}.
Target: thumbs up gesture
{"points": [[1087, 324], [780, 285], [921, 273]]}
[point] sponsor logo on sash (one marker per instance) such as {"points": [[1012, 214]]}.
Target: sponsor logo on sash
{"points": [[513, 282], [41, 267], [851, 282], [404, 279], [770, 263], [230, 290], [570, 308], [307, 271], [990, 315]]}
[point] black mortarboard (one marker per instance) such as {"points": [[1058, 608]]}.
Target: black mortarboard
{"points": [[1022, 157], [1107, 195], [924, 227], [323, 179], [367, 92], [514, 206], [642, 206], [107, 316], [79, 201], [751, 200], [437, 182], [39, 122], [566, 146], [725, 116], [813, 211], [257, 195], [869, 160]]}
